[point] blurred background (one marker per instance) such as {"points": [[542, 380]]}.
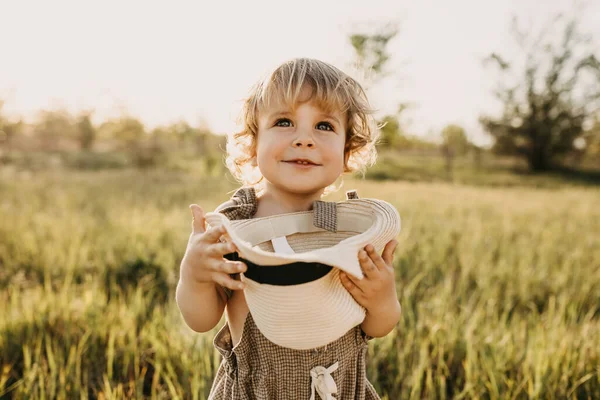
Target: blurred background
{"points": [[113, 119]]}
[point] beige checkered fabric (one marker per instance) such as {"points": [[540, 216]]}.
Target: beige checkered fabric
{"points": [[325, 215], [351, 195], [243, 205], [259, 369]]}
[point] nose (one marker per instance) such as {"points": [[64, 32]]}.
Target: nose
{"points": [[304, 139]]}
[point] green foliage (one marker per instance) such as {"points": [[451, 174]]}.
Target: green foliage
{"points": [[89, 160], [546, 108], [500, 289], [53, 127], [372, 56], [371, 49], [128, 131], [8, 130], [592, 141], [474, 169], [63, 140], [455, 140], [86, 131], [390, 132]]}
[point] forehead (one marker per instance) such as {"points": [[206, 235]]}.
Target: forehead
{"points": [[289, 99]]}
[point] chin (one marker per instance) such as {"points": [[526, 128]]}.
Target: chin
{"points": [[302, 188]]}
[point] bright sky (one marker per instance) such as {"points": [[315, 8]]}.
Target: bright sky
{"points": [[195, 60]]}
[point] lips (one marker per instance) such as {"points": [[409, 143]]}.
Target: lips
{"points": [[301, 161]]}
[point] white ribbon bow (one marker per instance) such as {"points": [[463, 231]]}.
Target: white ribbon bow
{"points": [[323, 382]]}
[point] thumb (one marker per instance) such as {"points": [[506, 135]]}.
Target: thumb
{"points": [[197, 219]]}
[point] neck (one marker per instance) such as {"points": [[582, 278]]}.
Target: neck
{"points": [[274, 201]]}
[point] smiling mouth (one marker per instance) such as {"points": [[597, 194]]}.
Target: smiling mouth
{"points": [[302, 162]]}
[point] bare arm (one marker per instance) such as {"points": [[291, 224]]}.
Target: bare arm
{"points": [[201, 303], [380, 322], [203, 274], [376, 291]]}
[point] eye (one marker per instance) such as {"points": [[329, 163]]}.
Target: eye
{"points": [[283, 122], [325, 126]]}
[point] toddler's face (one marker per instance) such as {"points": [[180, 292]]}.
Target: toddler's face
{"points": [[300, 151]]}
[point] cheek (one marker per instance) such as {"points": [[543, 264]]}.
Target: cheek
{"points": [[268, 150], [336, 151], [264, 149]]}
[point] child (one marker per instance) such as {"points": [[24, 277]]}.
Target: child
{"points": [[304, 126]]}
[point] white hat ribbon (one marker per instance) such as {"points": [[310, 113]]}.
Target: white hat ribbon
{"points": [[322, 382]]}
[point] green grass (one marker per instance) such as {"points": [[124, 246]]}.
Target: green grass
{"points": [[500, 288]]}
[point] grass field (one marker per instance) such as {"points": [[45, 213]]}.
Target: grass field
{"points": [[500, 288]]}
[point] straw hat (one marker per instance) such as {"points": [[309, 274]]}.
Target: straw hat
{"points": [[293, 288]]}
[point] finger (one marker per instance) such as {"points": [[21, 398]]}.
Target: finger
{"points": [[197, 219], [358, 283], [229, 267], [388, 252], [213, 234], [218, 250], [366, 264], [227, 281], [350, 285], [375, 258]]}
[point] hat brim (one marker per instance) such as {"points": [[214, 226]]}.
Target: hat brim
{"points": [[360, 222]]}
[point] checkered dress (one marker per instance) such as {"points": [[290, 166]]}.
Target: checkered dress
{"points": [[259, 369]]}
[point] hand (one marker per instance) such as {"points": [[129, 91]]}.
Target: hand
{"points": [[203, 261], [377, 290]]}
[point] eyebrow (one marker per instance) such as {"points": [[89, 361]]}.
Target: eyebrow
{"points": [[279, 112]]}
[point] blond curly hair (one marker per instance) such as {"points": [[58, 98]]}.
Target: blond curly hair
{"points": [[331, 88]]}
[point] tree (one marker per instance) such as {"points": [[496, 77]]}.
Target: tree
{"points": [[129, 132], [371, 51], [371, 58], [390, 132], [455, 140], [556, 90], [54, 127], [129, 135], [592, 141], [86, 131], [455, 143], [9, 130]]}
